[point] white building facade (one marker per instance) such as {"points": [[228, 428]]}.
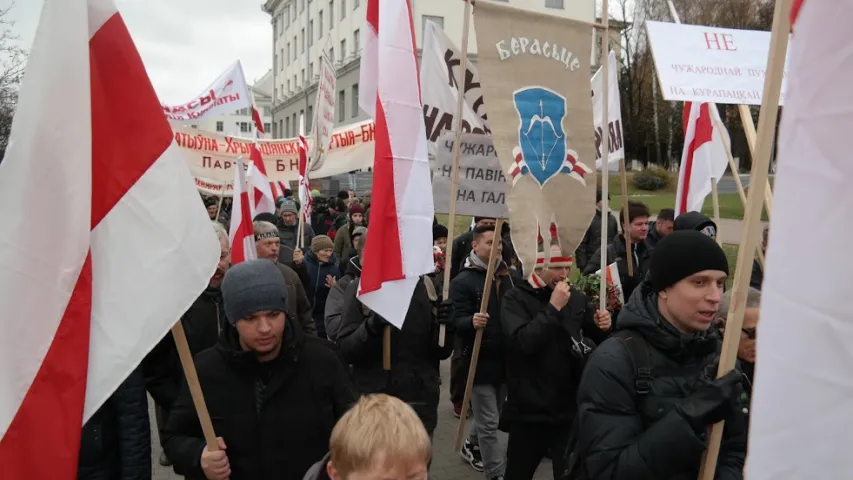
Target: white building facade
{"points": [[239, 123], [302, 29]]}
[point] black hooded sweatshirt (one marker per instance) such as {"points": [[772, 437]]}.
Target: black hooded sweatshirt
{"points": [[624, 436]]}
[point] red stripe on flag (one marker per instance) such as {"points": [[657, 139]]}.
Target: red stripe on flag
{"points": [[703, 132], [372, 15], [244, 229], [383, 258], [129, 130], [43, 440]]}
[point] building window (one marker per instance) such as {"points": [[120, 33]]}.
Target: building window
{"points": [[286, 15], [303, 76], [311, 70], [310, 118], [286, 126], [295, 126], [431, 18], [274, 130], [343, 9], [275, 94], [342, 105], [244, 127], [266, 127], [302, 41], [331, 14], [310, 32], [281, 57], [320, 29], [295, 85], [343, 49], [294, 48], [274, 27], [288, 54], [288, 86], [356, 41], [354, 100], [220, 126], [302, 120], [332, 55], [275, 62], [554, 3]]}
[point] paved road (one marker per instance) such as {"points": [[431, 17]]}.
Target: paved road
{"points": [[446, 464]]}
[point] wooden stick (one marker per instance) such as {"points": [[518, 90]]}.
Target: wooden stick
{"points": [[605, 152], [715, 201], [195, 387], [749, 131], [760, 166], [736, 175], [478, 337], [625, 216], [221, 198], [386, 348], [300, 240], [454, 169]]}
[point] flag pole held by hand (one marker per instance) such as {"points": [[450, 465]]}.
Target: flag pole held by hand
{"points": [[478, 337], [195, 387]]}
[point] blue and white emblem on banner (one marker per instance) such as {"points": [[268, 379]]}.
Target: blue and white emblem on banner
{"points": [[542, 149]]}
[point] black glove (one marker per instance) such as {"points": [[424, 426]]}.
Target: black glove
{"points": [[712, 402], [445, 313], [375, 324]]}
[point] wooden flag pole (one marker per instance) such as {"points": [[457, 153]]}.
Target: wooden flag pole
{"points": [[454, 169], [605, 147], [625, 217], [715, 201], [752, 214], [386, 348], [478, 337], [195, 387], [221, 199], [736, 176]]}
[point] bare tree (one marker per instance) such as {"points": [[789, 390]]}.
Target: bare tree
{"points": [[13, 59]]}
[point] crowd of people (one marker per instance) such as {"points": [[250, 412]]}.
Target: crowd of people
{"points": [[291, 362]]}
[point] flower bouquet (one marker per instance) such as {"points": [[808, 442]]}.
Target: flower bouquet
{"points": [[590, 285]]}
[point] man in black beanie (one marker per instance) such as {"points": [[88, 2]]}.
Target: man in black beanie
{"points": [[273, 393], [649, 393]]}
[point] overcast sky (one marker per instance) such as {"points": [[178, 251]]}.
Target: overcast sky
{"points": [[185, 44]]}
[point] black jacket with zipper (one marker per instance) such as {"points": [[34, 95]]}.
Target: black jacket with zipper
{"points": [[275, 417]]}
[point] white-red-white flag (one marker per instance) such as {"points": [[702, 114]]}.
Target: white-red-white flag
{"points": [[241, 231], [262, 198], [800, 420], [369, 70], [228, 93], [704, 156], [399, 248], [304, 185], [136, 245]]}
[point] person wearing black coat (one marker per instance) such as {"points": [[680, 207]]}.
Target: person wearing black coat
{"points": [[415, 354], [591, 240], [649, 393], [274, 394], [544, 322], [462, 245], [116, 440]]}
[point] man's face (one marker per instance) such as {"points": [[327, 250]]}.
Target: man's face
{"points": [[664, 227], [222, 266], [746, 347], [638, 229], [691, 304], [357, 218], [356, 242], [486, 222], [554, 275], [289, 218], [482, 246], [268, 248], [211, 212], [381, 470], [262, 333], [324, 255], [441, 243]]}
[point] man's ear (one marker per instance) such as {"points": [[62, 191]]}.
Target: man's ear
{"points": [[330, 470]]}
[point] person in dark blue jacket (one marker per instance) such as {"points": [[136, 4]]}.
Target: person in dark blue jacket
{"points": [[323, 272]]}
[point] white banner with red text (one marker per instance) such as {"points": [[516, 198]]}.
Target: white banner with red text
{"points": [[226, 94]]}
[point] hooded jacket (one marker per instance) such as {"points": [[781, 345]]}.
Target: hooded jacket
{"points": [[693, 221], [335, 300], [623, 436], [275, 417]]}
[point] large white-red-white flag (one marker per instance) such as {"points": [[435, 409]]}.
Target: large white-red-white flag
{"points": [[304, 184], [704, 156], [399, 248], [800, 420], [241, 231], [227, 93], [135, 245]]}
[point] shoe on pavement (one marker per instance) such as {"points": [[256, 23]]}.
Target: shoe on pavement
{"points": [[164, 460], [471, 454]]}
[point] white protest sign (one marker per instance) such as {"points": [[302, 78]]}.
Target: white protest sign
{"points": [[709, 64], [324, 111], [439, 68], [614, 114], [226, 94], [482, 186]]}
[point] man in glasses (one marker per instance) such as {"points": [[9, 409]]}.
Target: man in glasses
{"points": [[746, 347]]}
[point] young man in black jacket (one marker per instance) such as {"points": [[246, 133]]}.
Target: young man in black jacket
{"points": [[544, 323], [592, 238], [482, 448], [649, 393], [415, 354], [273, 392]]}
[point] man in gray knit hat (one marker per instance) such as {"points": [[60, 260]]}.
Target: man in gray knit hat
{"points": [[289, 227], [273, 392]]}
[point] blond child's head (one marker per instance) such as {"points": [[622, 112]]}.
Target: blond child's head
{"points": [[379, 438]]}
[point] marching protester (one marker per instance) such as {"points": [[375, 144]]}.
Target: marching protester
{"points": [[292, 257], [380, 437], [544, 322], [116, 440], [746, 346], [439, 237], [267, 243], [335, 300], [273, 392], [696, 221], [212, 206], [462, 244], [323, 273], [288, 229], [756, 278], [649, 393], [343, 239], [661, 226], [357, 238], [592, 238], [202, 323], [638, 229], [415, 354], [482, 448]]}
